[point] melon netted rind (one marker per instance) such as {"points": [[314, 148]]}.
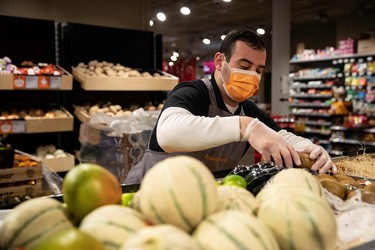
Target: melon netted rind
{"points": [[113, 225], [236, 198], [161, 237], [299, 219], [180, 191], [33, 221], [298, 177], [234, 230]]}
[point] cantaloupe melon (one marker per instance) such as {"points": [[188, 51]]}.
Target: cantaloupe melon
{"points": [[33, 221], [161, 237], [298, 218], [300, 178], [112, 224], [234, 230], [236, 198], [179, 190]]}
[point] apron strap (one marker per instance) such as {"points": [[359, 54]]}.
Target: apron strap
{"points": [[211, 91]]}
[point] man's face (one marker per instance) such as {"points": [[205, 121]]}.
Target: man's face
{"points": [[246, 58]]}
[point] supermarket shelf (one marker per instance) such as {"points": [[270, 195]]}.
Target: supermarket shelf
{"points": [[318, 132], [302, 78], [354, 142], [364, 130], [330, 58], [310, 105], [312, 86], [325, 142], [336, 152], [312, 114], [311, 96], [317, 123]]}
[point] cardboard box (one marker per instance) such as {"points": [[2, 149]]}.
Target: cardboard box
{"points": [[11, 175], [366, 46], [81, 114], [62, 164], [10, 82], [116, 154], [164, 83], [44, 125]]}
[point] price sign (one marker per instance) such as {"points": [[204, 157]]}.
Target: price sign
{"points": [[19, 82], [12, 126], [44, 82], [56, 82], [31, 82]]}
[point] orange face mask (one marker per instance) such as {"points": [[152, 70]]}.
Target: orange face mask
{"points": [[242, 84]]}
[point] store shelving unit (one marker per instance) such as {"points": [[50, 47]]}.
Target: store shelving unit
{"points": [[326, 93], [28, 134]]}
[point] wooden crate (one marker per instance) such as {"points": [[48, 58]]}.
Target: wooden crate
{"points": [[31, 190], [44, 125], [164, 83], [11, 82], [61, 164], [11, 175]]}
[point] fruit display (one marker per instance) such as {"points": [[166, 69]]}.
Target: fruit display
{"points": [[180, 205], [85, 111], [108, 69], [28, 68], [32, 113]]}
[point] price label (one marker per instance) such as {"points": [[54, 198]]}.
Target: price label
{"points": [[56, 82], [44, 82], [11, 127], [19, 82], [31, 82]]}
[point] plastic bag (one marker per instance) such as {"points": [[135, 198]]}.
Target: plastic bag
{"points": [[256, 175]]}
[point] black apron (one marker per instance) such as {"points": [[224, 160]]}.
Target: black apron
{"points": [[219, 158]]}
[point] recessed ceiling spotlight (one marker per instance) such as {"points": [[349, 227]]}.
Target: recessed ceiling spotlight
{"points": [[176, 54], [206, 41], [223, 37], [161, 16], [173, 58], [185, 10], [151, 23], [197, 58], [227, 1], [170, 64], [261, 31]]}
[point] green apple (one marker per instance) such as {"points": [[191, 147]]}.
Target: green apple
{"points": [[70, 239], [234, 180], [126, 199]]}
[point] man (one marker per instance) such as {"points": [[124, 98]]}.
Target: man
{"points": [[213, 120]]}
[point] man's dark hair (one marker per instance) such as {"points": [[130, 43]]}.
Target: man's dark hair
{"points": [[246, 35]]}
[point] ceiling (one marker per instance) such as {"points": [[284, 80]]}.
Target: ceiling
{"points": [[213, 18]]}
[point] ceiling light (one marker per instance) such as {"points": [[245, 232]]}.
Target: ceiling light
{"points": [[173, 58], [261, 31], [185, 10], [170, 64], [197, 58], [227, 1], [223, 37], [161, 16], [151, 23], [176, 54], [206, 41]]}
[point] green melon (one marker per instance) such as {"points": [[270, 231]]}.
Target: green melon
{"points": [[112, 225], [32, 222], [234, 230], [180, 191]]}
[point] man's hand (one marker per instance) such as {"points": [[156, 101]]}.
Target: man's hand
{"points": [[271, 145], [321, 157]]}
